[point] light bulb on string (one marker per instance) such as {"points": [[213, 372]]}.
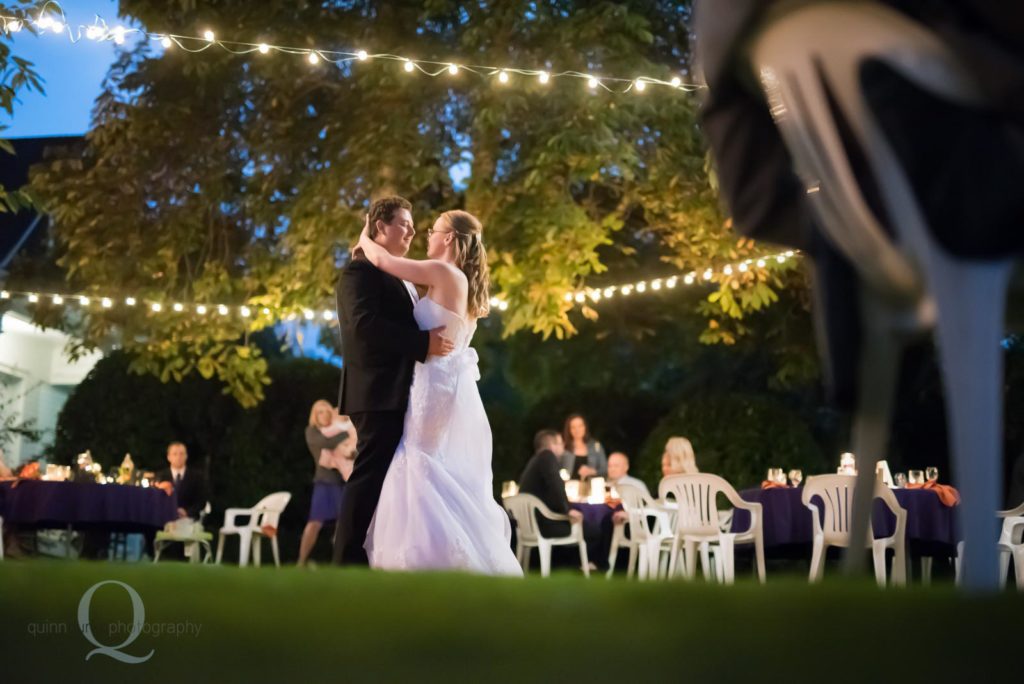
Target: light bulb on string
{"points": [[130, 301], [656, 285], [33, 298], [640, 85], [727, 270], [155, 307], [222, 310], [201, 309], [44, 21], [308, 315], [313, 58], [641, 287], [166, 42], [592, 83], [568, 296], [244, 311], [94, 33], [328, 315], [178, 307], [209, 36], [580, 297], [57, 299], [84, 301], [362, 55], [675, 82], [57, 27], [453, 69], [14, 26], [544, 77], [760, 263], [266, 311], [781, 259], [408, 65], [119, 32], [671, 282], [263, 48], [106, 302], [743, 267], [688, 279], [608, 292], [503, 76], [4, 294]]}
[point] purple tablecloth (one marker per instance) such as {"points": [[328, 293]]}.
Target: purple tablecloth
{"points": [[594, 515], [119, 508], [931, 526]]}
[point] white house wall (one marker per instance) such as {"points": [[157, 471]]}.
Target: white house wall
{"points": [[37, 373]]}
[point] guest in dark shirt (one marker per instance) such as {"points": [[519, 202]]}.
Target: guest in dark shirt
{"points": [[189, 483], [331, 440], [541, 479]]}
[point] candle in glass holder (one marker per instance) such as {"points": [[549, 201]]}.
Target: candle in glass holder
{"points": [[572, 490], [509, 488], [596, 490]]}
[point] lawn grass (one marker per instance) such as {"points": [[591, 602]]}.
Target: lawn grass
{"points": [[354, 625]]}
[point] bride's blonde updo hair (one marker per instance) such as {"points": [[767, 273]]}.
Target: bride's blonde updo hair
{"points": [[471, 258]]}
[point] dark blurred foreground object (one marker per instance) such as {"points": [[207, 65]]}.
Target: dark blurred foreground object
{"points": [[886, 140]]}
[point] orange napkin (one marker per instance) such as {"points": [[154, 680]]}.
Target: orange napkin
{"points": [[948, 494], [166, 486], [269, 531], [768, 484]]}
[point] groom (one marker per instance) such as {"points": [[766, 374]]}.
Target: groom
{"points": [[381, 344]]}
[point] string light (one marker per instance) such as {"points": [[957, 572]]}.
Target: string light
{"points": [[57, 299], [198, 43], [178, 307], [106, 303], [156, 307], [84, 301], [656, 285], [129, 301], [33, 298], [244, 311], [201, 309]]}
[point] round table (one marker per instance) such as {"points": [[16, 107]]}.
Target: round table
{"points": [[42, 504], [932, 527]]}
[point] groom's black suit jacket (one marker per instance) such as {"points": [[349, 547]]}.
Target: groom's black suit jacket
{"points": [[380, 341]]}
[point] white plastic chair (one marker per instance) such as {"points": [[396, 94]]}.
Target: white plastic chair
{"points": [[809, 60], [698, 524], [1011, 545], [646, 543], [524, 509], [1, 537], [836, 494], [265, 514]]}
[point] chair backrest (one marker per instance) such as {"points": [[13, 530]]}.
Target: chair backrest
{"points": [[836, 505], [271, 507], [809, 61], [696, 496], [523, 509], [636, 504]]}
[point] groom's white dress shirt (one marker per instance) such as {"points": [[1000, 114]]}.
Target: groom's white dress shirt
{"points": [[412, 291]]}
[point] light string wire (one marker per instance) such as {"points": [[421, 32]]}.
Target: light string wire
{"points": [[99, 31], [579, 296]]}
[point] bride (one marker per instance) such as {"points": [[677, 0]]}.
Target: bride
{"points": [[437, 510]]}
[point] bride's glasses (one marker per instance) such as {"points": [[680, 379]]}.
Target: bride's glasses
{"points": [[431, 231]]}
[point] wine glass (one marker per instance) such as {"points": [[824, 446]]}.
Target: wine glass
{"points": [[916, 476], [931, 473], [775, 474], [796, 476], [901, 480]]}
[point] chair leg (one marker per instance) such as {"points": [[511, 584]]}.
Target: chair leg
{"points": [[759, 557], [690, 551], [878, 556], [704, 561], [926, 570], [277, 556], [613, 555], [971, 303], [244, 546], [817, 560], [727, 557], [544, 550], [631, 567], [220, 548], [1004, 567], [673, 561], [584, 561], [257, 550], [1018, 566], [158, 548]]}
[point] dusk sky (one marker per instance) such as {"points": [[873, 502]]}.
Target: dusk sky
{"points": [[72, 75]]}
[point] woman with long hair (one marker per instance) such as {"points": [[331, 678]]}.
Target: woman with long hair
{"points": [[437, 508], [331, 440], [584, 456], [678, 458]]}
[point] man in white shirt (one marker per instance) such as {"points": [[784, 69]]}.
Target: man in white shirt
{"points": [[618, 473]]}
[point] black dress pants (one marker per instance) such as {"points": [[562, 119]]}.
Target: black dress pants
{"points": [[379, 434]]}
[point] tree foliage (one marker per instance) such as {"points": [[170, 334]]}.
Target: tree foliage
{"points": [[242, 179], [16, 76]]}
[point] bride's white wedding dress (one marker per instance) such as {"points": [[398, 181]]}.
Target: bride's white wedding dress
{"points": [[437, 509]]}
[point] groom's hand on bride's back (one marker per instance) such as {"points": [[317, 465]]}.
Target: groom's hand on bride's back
{"points": [[439, 344]]}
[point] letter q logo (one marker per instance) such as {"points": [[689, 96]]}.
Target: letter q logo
{"points": [[138, 620]]}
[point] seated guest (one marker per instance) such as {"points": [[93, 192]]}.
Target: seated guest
{"points": [[541, 479], [678, 458], [618, 473], [189, 483], [584, 456]]}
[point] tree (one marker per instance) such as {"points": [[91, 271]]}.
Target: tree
{"points": [[243, 179], [16, 76]]}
